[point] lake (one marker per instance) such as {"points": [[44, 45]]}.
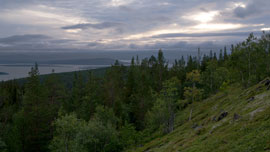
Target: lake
{"points": [[15, 71]]}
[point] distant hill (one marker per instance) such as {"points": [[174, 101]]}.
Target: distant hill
{"points": [[67, 77], [78, 61], [95, 61], [232, 120]]}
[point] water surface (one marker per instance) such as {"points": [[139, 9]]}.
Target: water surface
{"points": [[15, 71]]}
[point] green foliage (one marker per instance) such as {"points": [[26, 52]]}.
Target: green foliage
{"points": [[249, 60], [247, 132], [28, 128], [129, 136], [224, 87], [91, 98], [105, 137], [214, 76], [66, 136], [106, 116], [122, 107], [193, 76], [16, 136], [76, 96], [32, 124], [193, 94], [73, 134], [163, 112], [113, 88], [158, 115], [3, 146]]}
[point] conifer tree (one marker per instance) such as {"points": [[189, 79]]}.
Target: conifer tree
{"points": [[225, 56], [92, 97], [55, 91], [220, 59], [114, 88], [35, 116]]}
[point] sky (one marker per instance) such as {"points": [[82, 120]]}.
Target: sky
{"points": [[129, 24]]}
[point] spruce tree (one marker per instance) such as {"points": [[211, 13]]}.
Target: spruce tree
{"points": [[225, 56], [36, 124]]}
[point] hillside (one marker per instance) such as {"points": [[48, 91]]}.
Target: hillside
{"points": [[233, 120], [216, 104], [67, 78]]}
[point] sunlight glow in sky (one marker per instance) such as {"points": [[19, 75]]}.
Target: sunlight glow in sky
{"points": [[204, 17], [127, 24], [217, 27], [239, 5]]}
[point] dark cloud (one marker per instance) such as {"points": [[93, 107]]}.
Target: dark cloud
{"points": [[61, 18], [243, 12], [103, 25], [34, 42], [15, 4], [171, 35], [253, 8], [92, 44], [24, 39], [61, 41], [178, 45]]}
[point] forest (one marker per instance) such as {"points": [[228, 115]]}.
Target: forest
{"points": [[126, 107]]}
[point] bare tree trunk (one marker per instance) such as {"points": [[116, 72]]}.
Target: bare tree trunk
{"points": [[66, 146], [242, 77], [171, 122], [190, 114], [249, 66], [211, 84], [267, 51]]}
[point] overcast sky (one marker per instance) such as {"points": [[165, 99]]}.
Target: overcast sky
{"points": [[129, 24]]}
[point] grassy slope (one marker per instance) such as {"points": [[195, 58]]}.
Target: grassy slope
{"points": [[249, 133]]}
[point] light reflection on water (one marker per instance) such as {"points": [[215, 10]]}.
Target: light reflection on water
{"points": [[21, 70]]}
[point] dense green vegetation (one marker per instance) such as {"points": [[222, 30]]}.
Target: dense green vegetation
{"points": [[244, 128], [146, 106], [67, 78]]}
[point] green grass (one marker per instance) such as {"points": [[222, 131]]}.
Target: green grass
{"points": [[250, 133]]}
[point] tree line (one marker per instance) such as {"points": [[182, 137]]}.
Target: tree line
{"points": [[126, 107]]}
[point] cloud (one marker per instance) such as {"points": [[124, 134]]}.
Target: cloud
{"points": [[178, 45], [117, 3], [34, 42], [92, 44], [266, 29], [203, 17], [253, 8], [16, 39], [99, 26], [62, 41], [237, 34], [127, 24], [39, 16]]}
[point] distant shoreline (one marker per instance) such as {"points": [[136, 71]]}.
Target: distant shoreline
{"points": [[17, 71]]}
